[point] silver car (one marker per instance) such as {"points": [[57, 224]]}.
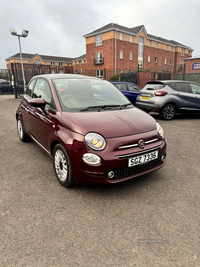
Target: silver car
{"points": [[169, 97]]}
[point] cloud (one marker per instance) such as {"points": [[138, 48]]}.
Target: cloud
{"points": [[57, 27]]}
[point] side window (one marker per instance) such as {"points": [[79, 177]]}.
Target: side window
{"points": [[42, 90], [133, 88], [121, 86], [182, 87], [29, 89], [195, 88]]}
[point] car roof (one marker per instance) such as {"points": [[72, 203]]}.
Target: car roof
{"points": [[168, 81], [65, 76], [123, 82]]}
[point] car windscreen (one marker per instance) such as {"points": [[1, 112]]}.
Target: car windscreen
{"points": [[79, 95]]}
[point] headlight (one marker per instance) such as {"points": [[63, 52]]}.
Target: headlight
{"points": [[160, 130], [95, 141]]}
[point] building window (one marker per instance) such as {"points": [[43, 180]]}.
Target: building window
{"points": [[131, 39], [29, 62], [75, 71], [172, 49], [99, 74], [52, 64], [60, 64], [149, 43], [121, 36], [98, 40], [166, 47], [80, 71], [99, 58], [182, 51], [84, 61], [45, 63], [155, 59], [80, 63], [121, 55], [53, 72], [165, 61], [188, 52], [84, 70], [140, 52], [131, 56], [149, 58], [46, 70], [156, 44], [170, 61], [61, 71], [37, 62], [121, 70]]}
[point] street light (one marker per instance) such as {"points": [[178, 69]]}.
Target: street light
{"points": [[24, 34]]}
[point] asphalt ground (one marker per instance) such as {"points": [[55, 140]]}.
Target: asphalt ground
{"points": [[149, 221]]}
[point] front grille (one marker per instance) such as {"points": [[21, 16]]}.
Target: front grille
{"points": [[128, 171]]}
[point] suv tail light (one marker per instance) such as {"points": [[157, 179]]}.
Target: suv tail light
{"points": [[160, 93]]}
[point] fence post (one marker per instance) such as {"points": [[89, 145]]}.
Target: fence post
{"points": [[183, 72], [138, 70], [13, 80]]}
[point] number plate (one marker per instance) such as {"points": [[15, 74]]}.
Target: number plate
{"points": [[145, 97], [142, 159]]}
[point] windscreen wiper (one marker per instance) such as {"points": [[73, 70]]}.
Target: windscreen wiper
{"points": [[125, 105], [102, 107]]}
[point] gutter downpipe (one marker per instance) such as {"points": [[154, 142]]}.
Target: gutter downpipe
{"points": [[115, 53]]}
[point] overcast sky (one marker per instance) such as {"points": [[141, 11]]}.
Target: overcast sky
{"points": [[56, 27]]}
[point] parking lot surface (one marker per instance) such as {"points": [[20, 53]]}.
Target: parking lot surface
{"points": [[149, 221]]}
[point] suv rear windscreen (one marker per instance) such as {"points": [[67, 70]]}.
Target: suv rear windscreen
{"points": [[154, 86]]}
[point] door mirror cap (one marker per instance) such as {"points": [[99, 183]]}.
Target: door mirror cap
{"points": [[38, 103]]}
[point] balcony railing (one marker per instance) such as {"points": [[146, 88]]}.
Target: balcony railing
{"points": [[98, 61]]}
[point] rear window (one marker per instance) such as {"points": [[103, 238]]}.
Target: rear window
{"points": [[154, 86]]}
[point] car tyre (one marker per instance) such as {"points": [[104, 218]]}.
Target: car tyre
{"points": [[62, 166], [21, 133], [168, 112]]}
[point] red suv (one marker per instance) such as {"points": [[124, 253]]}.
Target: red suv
{"points": [[90, 129]]}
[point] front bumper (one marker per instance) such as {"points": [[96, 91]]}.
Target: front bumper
{"points": [[116, 161]]}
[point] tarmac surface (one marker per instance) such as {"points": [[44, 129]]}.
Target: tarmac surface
{"points": [[150, 221]]}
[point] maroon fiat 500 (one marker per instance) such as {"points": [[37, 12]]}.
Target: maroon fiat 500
{"points": [[90, 129]]}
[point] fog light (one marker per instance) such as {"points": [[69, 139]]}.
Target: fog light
{"points": [[91, 159], [111, 175], [163, 157]]}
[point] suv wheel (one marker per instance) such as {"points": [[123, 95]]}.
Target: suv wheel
{"points": [[168, 112]]}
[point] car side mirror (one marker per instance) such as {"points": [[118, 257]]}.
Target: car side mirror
{"points": [[38, 103]]}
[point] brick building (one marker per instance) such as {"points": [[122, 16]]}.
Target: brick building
{"points": [[192, 65], [41, 64], [115, 48]]}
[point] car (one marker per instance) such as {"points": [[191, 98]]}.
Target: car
{"points": [[90, 130], [5, 87], [130, 90], [169, 97]]}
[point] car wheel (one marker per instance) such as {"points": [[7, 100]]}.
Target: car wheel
{"points": [[1, 91], [21, 133], [62, 166], [168, 112]]}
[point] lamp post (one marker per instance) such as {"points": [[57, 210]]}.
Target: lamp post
{"points": [[24, 34]]}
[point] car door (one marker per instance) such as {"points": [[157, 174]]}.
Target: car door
{"points": [[196, 94], [132, 92], [42, 120], [185, 97], [26, 108]]}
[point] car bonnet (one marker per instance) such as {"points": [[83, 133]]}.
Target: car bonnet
{"points": [[110, 124]]}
